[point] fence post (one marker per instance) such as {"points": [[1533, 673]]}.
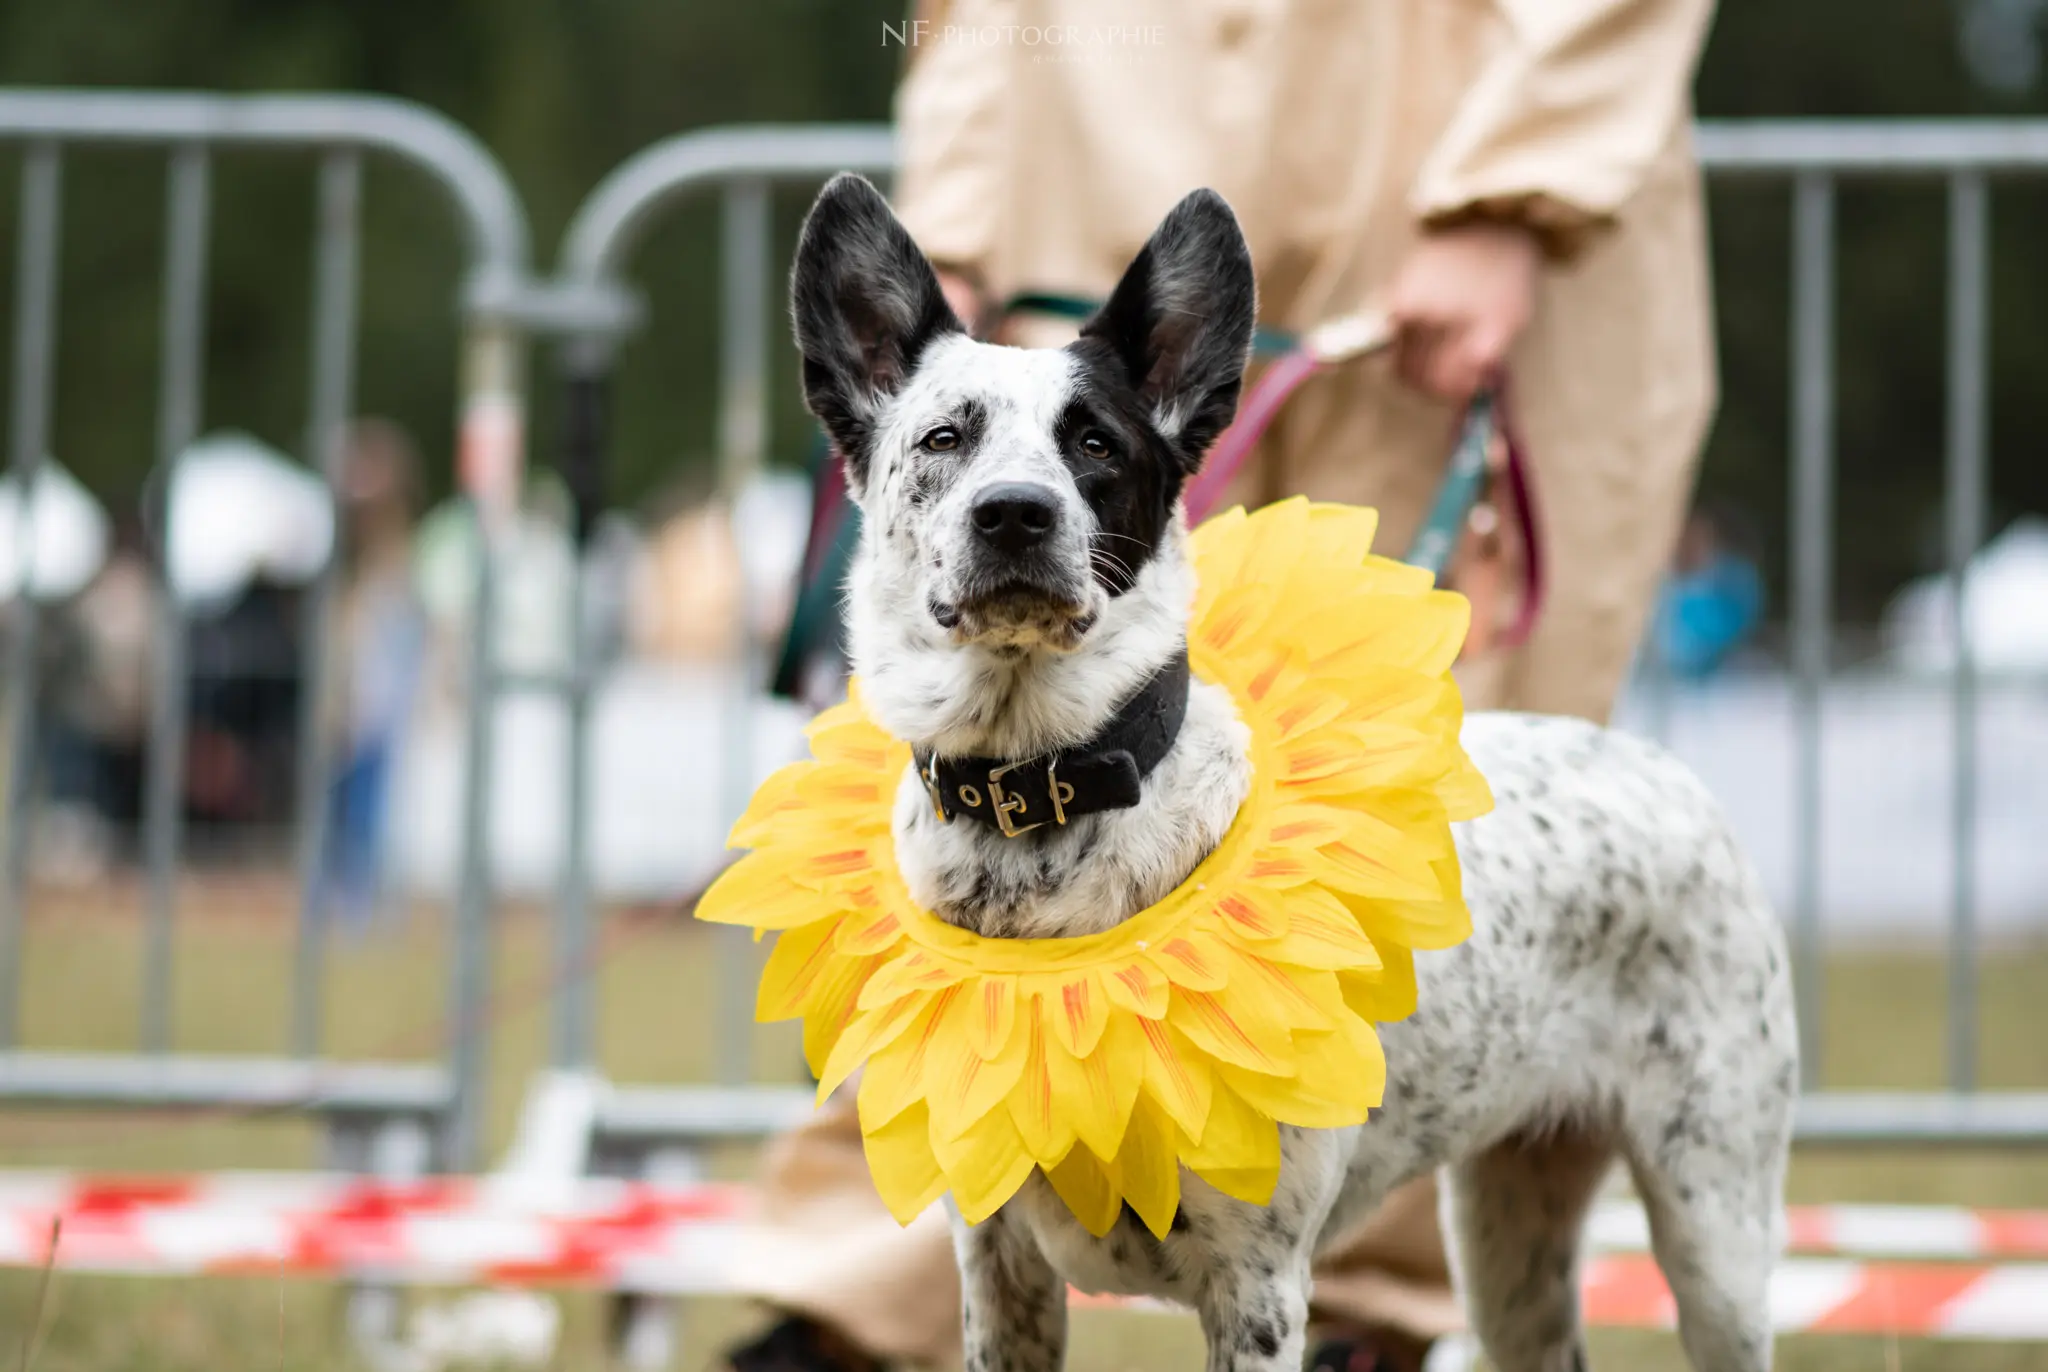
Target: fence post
{"points": [[1968, 482], [333, 391], [183, 365], [35, 348], [1813, 402], [743, 439], [492, 430], [586, 391]]}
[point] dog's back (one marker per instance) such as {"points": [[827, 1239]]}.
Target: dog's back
{"points": [[1625, 994]]}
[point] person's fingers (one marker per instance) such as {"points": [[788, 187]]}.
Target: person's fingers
{"points": [[1453, 375], [1415, 362]]}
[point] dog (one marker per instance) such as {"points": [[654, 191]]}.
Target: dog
{"points": [[1022, 576]]}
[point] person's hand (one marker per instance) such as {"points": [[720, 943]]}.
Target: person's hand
{"points": [[1459, 303], [964, 298]]}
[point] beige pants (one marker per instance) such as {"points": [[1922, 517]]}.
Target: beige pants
{"points": [[1610, 504]]}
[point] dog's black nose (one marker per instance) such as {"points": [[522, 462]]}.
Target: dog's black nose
{"points": [[1016, 515]]}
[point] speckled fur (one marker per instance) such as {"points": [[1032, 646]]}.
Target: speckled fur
{"points": [[1624, 995]]}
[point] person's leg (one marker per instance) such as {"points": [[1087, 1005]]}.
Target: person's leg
{"points": [[824, 1252]]}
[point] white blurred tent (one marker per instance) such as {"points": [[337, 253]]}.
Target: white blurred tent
{"points": [[2005, 605], [239, 510], [60, 541]]}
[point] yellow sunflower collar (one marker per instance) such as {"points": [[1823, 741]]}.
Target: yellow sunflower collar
{"points": [[1187, 1035]]}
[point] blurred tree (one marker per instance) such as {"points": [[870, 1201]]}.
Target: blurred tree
{"points": [[563, 90]]}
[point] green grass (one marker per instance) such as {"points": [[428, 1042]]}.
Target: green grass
{"points": [[657, 984]]}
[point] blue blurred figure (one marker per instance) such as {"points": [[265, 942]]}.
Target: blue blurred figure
{"points": [[381, 652], [1714, 599]]}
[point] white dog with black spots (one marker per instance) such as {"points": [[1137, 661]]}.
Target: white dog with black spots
{"points": [[1023, 573]]}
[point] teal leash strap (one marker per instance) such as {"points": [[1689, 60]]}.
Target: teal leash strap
{"points": [[1459, 491]]}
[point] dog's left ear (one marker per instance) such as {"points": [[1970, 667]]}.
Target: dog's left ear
{"points": [[1181, 322], [865, 303]]}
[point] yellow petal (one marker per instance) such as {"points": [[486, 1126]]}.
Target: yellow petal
{"points": [[1097, 1092], [868, 931], [852, 740], [1177, 1076], [1339, 1076], [848, 799], [913, 971], [1340, 536], [960, 1085], [1235, 618], [1148, 1170], [1388, 995], [1463, 791], [834, 866], [802, 961], [868, 1033], [985, 1166], [1088, 1189], [1347, 1065], [1304, 998], [1396, 695], [1240, 1145], [994, 1023], [1076, 1008], [1138, 987], [900, 1160], [1252, 1185], [1239, 1028], [1042, 1119], [1190, 962], [1419, 633], [1253, 913], [834, 1006], [895, 1075], [1376, 859], [1427, 924], [758, 891], [775, 795], [1323, 933]]}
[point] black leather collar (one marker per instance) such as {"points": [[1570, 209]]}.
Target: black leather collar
{"points": [[1102, 774]]}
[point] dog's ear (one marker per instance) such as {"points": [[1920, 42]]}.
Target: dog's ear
{"points": [[1181, 322], [866, 304]]}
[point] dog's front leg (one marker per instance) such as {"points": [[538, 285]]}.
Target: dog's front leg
{"points": [[1255, 1313], [1014, 1306], [1254, 1297]]}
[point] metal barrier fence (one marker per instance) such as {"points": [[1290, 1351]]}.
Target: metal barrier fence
{"points": [[741, 165], [591, 310], [361, 1103]]}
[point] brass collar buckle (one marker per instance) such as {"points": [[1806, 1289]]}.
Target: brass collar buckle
{"points": [[1003, 805]]}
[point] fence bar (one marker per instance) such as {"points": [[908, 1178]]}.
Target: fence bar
{"points": [[336, 263], [493, 411], [1812, 499], [1969, 233], [35, 349], [586, 395], [743, 438], [182, 363]]}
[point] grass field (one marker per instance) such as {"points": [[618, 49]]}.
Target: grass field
{"points": [[385, 997]]}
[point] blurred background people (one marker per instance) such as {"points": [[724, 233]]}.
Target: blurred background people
{"points": [[378, 654], [1713, 601]]}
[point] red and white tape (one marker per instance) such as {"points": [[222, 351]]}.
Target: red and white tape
{"points": [[678, 1239]]}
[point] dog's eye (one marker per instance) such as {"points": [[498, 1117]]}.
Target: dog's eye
{"points": [[1096, 444], [940, 440]]}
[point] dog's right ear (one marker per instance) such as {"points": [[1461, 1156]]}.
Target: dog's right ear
{"points": [[1180, 322], [866, 303]]}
